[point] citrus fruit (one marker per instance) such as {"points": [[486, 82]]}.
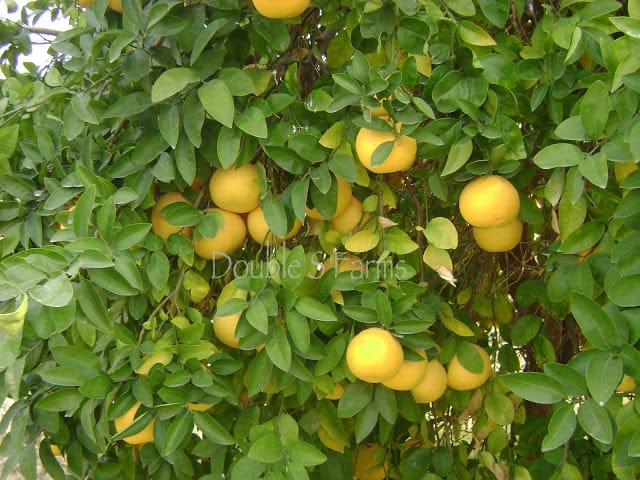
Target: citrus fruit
{"points": [[370, 463], [236, 189], [432, 385], [85, 3], [116, 5], [345, 264], [459, 378], [410, 373], [126, 419], [163, 356], [55, 449], [499, 239], [259, 230], [344, 198], [374, 355], [348, 220], [626, 385], [622, 169], [489, 201], [402, 156], [338, 391], [224, 328], [228, 238], [280, 8], [159, 224]]}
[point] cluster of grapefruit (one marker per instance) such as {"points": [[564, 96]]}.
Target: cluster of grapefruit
{"points": [[375, 356], [490, 204], [236, 193]]}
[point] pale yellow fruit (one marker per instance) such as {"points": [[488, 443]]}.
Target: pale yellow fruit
{"points": [[126, 419], [163, 356], [116, 5], [280, 8], [432, 385], [338, 391], [236, 189], [370, 462], [85, 3], [499, 239], [459, 378], [348, 220], [374, 355], [623, 169], [409, 375], [626, 385], [224, 328], [228, 238], [489, 201], [55, 449], [259, 230], [199, 407], [344, 198], [345, 264], [159, 225], [402, 156]]}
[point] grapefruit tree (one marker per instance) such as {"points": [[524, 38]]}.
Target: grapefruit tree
{"points": [[327, 239]]}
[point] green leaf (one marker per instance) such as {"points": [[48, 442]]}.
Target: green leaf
{"points": [[130, 235], [169, 124], [582, 238], [386, 403], [627, 25], [63, 376], [212, 429], [624, 292], [278, 349], [266, 449], [356, 396], [496, 11], [158, 270], [534, 386], [275, 215], [312, 308], [366, 421], [442, 233], [525, 329], [55, 292], [193, 119], [458, 156], [67, 399], [298, 329], [9, 139], [558, 155], [171, 82], [252, 122], [128, 105], [594, 109], [305, 454], [205, 35], [629, 206], [594, 420], [92, 304], [217, 101], [474, 35], [381, 153], [82, 213], [178, 432], [594, 323], [465, 8], [362, 241], [561, 427], [398, 241], [96, 387], [594, 168], [603, 375], [499, 408]]}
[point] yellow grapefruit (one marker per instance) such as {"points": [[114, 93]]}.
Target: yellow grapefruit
{"points": [[236, 189], [228, 238], [163, 356], [126, 419], [159, 224], [459, 378], [344, 198], [116, 5], [85, 3], [374, 355], [259, 230], [626, 385], [348, 220], [280, 8], [402, 156], [410, 373], [499, 239], [432, 385], [489, 201], [224, 328]]}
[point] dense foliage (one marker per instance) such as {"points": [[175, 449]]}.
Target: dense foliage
{"points": [[156, 98]]}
